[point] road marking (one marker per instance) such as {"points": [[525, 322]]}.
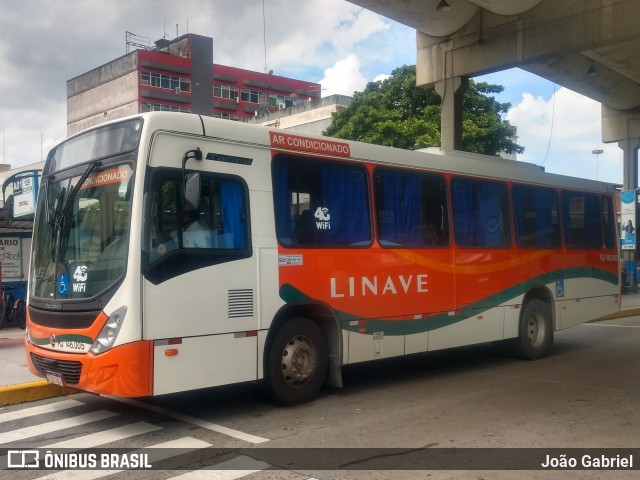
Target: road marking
{"points": [[55, 426], [230, 432], [606, 325], [108, 436], [185, 445], [49, 408], [232, 469]]}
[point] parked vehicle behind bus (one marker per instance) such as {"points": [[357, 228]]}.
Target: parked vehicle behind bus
{"points": [[312, 253]]}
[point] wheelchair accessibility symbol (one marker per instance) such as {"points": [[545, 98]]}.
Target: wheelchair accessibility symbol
{"points": [[63, 284], [559, 288]]}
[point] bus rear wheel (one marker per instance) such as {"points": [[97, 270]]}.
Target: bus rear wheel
{"points": [[296, 363], [535, 337]]}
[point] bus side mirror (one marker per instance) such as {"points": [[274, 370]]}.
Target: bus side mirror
{"points": [[191, 191], [191, 181]]}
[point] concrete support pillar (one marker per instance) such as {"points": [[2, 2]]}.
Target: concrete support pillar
{"points": [[630, 163], [451, 91]]}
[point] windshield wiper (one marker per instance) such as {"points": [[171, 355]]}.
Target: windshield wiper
{"points": [[72, 194], [62, 208], [53, 220]]}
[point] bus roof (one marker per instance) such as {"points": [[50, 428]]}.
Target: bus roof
{"points": [[435, 159]]}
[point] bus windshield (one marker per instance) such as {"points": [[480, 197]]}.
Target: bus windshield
{"points": [[80, 237]]}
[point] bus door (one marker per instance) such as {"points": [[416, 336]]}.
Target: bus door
{"points": [[200, 281]]}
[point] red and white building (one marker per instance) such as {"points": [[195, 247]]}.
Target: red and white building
{"points": [[179, 75]]}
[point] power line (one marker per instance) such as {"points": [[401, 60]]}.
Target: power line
{"points": [[553, 115]]}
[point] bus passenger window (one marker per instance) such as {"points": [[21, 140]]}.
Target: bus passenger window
{"points": [[536, 216], [320, 203], [480, 213], [411, 208], [581, 218]]}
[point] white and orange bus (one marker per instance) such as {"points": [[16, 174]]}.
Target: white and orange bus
{"points": [[173, 252]]}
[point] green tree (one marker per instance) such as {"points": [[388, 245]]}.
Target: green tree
{"points": [[396, 113]]}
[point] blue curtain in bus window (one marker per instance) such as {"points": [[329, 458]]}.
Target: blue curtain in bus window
{"points": [[282, 199], [576, 210], [232, 214], [489, 216], [592, 224], [609, 223], [390, 223], [570, 235], [346, 219], [520, 197], [547, 234], [463, 219], [402, 201]]}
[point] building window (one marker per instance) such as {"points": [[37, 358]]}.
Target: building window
{"points": [[226, 116], [169, 82], [252, 96], [161, 107], [225, 91], [279, 101]]}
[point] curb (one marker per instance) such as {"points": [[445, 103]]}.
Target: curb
{"points": [[32, 391], [625, 312]]}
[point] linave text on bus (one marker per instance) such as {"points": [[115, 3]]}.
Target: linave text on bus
{"points": [[390, 285]]}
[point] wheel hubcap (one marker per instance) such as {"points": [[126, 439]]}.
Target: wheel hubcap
{"points": [[298, 360], [535, 329]]}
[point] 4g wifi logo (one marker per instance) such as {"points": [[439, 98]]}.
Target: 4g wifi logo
{"points": [[80, 276], [322, 215], [23, 459]]}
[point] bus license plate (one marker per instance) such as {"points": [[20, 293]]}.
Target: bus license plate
{"points": [[54, 378]]}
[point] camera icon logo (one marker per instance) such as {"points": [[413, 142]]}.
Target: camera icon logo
{"points": [[23, 459]]}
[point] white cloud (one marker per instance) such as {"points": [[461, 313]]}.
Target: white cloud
{"points": [[360, 26], [560, 133], [343, 78], [39, 53], [381, 78]]}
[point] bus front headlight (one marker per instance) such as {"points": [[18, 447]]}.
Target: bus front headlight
{"points": [[107, 337]]}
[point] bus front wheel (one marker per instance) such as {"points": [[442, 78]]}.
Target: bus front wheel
{"points": [[535, 337], [296, 363]]}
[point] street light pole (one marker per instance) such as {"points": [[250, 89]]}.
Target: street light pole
{"points": [[597, 153]]}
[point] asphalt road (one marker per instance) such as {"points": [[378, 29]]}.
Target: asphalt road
{"points": [[463, 413]]}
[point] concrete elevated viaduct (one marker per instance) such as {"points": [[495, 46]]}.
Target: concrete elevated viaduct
{"points": [[589, 46]]}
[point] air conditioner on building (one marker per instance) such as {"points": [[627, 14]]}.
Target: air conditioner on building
{"points": [[281, 106], [177, 90]]}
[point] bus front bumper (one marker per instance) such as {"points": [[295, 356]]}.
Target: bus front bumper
{"points": [[125, 370]]}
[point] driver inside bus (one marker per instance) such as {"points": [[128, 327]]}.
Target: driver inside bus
{"points": [[194, 233]]}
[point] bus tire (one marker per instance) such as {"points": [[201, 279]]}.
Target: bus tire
{"points": [[535, 337], [295, 363]]}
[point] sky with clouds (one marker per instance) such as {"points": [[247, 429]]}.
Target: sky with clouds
{"points": [[44, 43]]}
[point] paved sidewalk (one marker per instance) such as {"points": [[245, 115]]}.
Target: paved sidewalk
{"points": [[18, 384]]}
